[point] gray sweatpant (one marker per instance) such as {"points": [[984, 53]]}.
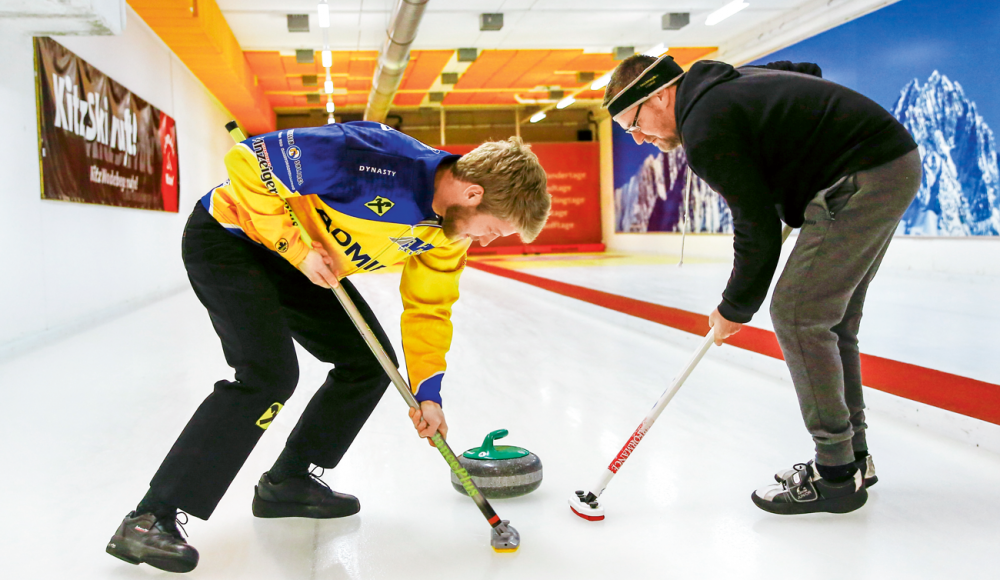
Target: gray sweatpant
{"points": [[817, 303]]}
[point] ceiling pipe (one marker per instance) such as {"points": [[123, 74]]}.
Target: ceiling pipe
{"points": [[393, 57]]}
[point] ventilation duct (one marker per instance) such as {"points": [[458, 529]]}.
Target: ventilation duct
{"points": [[393, 57]]}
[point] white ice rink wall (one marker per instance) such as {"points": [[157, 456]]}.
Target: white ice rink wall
{"points": [[65, 265]]}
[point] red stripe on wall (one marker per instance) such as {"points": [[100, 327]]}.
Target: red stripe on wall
{"points": [[970, 397]]}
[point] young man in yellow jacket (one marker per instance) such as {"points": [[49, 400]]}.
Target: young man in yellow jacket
{"points": [[369, 197]]}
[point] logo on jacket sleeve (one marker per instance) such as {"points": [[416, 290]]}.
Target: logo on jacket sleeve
{"points": [[294, 152], [281, 245], [412, 245], [380, 205]]}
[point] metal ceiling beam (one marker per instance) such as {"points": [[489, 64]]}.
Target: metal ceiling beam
{"points": [[393, 57]]}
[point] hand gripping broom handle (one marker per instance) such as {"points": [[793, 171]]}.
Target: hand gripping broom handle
{"points": [[633, 441], [391, 370]]}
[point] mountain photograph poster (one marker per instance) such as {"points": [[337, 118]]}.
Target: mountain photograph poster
{"points": [[931, 73]]}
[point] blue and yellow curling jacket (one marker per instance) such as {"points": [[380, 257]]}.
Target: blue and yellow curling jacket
{"points": [[364, 191]]}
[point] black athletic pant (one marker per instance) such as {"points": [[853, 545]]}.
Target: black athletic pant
{"points": [[258, 303]]}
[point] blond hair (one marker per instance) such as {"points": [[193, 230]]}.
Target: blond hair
{"points": [[513, 181]]}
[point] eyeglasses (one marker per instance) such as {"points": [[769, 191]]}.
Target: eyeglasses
{"points": [[635, 122]]}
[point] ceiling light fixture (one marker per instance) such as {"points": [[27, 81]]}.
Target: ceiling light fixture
{"points": [[725, 12], [565, 102], [329, 105], [327, 59], [328, 86], [537, 117], [657, 51], [601, 82], [324, 14]]}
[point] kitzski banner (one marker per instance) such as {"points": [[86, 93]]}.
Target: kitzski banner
{"points": [[98, 142]]}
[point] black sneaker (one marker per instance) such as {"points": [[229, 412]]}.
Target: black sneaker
{"points": [[301, 497], [806, 492], [155, 541], [866, 466]]}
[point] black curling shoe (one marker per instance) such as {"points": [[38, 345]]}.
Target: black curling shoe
{"points": [[155, 541], [805, 491], [866, 466], [301, 497]]}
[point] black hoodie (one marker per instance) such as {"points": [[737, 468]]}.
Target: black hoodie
{"points": [[768, 139]]}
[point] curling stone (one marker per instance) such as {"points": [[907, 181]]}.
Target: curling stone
{"points": [[500, 471]]}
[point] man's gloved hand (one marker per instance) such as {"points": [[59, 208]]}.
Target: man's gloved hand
{"points": [[429, 420]]}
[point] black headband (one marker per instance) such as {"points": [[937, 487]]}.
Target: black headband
{"points": [[662, 73]]}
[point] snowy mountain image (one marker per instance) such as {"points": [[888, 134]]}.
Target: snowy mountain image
{"points": [[652, 199], [959, 194]]}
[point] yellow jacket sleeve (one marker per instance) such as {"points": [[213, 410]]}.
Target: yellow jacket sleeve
{"points": [[258, 205], [429, 288]]}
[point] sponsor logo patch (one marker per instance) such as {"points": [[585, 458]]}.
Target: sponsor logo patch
{"points": [[264, 162], [411, 245], [352, 249], [265, 420], [294, 152], [281, 246], [380, 205], [376, 170]]}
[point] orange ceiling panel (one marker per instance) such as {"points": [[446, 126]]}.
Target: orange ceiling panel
{"points": [[424, 68], [688, 55], [592, 62], [483, 69], [452, 99], [540, 73], [265, 63], [203, 41], [527, 69], [591, 95], [362, 68], [408, 99], [359, 84], [296, 68], [273, 84], [510, 74], [285, 100]]}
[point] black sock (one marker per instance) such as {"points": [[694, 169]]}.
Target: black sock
{"points": [[151, 504], [861, 455], [837, 473], [288, 464]]}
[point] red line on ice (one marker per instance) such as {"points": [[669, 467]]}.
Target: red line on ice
{"points": [[964, 395]]}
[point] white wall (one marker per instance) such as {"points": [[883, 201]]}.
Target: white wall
{"points": [[63, 264]]}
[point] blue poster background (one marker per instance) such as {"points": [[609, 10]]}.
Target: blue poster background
{"points": [[929, 62]]}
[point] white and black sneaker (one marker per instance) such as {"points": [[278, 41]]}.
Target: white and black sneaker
{"points": [[805, 491], [866, 466]]}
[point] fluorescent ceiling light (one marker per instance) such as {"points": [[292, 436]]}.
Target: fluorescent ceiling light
{"points": [[330, 120], [537, 117], [657, 51], [565, 102], [328, 87], [329, 106], [601, 82], [725, 12], [327, 59], [324, 14]]}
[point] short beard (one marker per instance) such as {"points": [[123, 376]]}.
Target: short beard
{"points": [[668, 143], [454, 218]]}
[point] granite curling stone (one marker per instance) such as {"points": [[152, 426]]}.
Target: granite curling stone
{"points": [[500, 471]]}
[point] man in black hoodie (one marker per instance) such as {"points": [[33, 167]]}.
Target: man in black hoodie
{"points": [[781, 144]]}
